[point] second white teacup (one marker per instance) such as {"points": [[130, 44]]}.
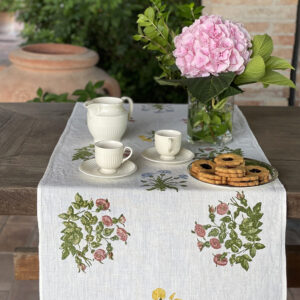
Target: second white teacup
{"points": [[109, 155], [167, 143]]}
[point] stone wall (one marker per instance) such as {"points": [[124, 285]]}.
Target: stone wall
{"points": [[278, 19]]}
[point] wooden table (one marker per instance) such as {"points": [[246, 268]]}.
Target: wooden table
{"points": [[30, 131]]}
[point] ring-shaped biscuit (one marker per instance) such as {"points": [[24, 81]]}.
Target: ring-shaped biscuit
{"points": [[230, 175], [206, 175], [246, 183], [226, 170], [203, 166], [259, 171], [244, 178], [229, 159]]}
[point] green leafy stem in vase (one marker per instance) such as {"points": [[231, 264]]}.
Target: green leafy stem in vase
{"points": [[235, 226], [210, 121], [87, 236]]}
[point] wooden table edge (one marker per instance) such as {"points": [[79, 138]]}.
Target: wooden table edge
{"points": [[23, 201]]}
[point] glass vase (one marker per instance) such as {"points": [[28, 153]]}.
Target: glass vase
{"points": [[210, 123]]}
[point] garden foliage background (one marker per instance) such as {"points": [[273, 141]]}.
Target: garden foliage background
{"points": [[106, 26]]}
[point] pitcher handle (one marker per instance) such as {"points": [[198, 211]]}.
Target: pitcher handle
{"points": [[130, 105]]}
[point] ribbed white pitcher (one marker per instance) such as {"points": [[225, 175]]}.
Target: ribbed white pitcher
{"points": [[107, 118]]}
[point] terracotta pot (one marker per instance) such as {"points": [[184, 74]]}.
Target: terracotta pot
{"points": [[56, 68]]}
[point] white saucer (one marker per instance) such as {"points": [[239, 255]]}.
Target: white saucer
{"points": [[90, 167], [182, 157]]}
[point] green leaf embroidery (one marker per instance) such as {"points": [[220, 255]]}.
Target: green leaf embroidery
{"points": [[64, 216], [84, 153], [162, 180], [259, 246], [213, 153], [245, 264], [213, 232], [252, 252], [65, 254], [84, 242], [238, 231]]}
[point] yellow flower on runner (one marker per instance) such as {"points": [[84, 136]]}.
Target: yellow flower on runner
{"points": [[158, 294], [145, 139], [172, 297]]}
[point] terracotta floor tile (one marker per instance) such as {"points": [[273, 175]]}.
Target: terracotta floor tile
{"points": [[24, 290], [6, 274], [15, 235], [4, 295]]}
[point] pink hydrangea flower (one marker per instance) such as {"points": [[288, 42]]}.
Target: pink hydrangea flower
{"points": [[212, 45], [222, 208], [100, 255], [103, 203], [200, 231], [107, 221], [122, 234], [215, 243], [220, 262]]}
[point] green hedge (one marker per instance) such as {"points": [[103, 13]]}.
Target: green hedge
{"points": [[106, 26]]}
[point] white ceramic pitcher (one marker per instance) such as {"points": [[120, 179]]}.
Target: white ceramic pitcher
{"points": [[107, 118]]}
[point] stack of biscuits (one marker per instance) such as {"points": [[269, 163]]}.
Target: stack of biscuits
{"points": [[229, 169]]}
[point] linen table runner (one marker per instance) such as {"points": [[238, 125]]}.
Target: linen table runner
{"points": [[158, 231]]}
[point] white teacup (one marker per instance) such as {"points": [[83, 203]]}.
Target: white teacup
{"points": [[109, 155], [167, 143]]}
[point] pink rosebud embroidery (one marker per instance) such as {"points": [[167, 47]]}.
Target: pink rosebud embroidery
{"points": [[103, 203], [107, 221], [200, 231], [215, 243], [122, 219], [122, 234], [212, 209], [82, 267], [220, 262], [222, 208], [100, 255], [200, 245], [240, 196]]}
